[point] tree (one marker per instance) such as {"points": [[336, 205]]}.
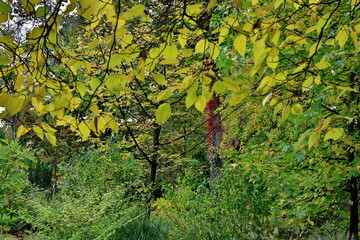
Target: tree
{"points": [[295, 55]]}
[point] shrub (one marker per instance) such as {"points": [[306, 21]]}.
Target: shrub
{"points": [[14, 161], [100, 191]]}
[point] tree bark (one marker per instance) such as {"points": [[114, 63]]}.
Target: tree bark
{"points": [[154, 159]]}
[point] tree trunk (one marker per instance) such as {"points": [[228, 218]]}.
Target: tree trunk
{"points": [[154, 160], [354, 191], [214, 135], [354, 209]]}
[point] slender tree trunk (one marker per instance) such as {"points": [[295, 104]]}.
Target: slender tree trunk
{"points": [[214, 136], [154, 160], [354, 191], [354, 209]]}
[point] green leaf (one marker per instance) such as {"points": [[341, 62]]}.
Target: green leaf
{"points": [[163, 113], [4, 61], [4, 7], [41, 12]]}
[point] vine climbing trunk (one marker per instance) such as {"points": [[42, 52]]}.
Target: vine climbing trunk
{"points": [[214, 135]]}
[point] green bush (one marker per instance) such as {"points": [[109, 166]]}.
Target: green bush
{"points": [[236, 206], [100, 191], [14, 162]]}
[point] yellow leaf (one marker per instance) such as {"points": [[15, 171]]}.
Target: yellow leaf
{"points": [[4, 97], [239, 3], [126, 40], [297, 109], [238, 97], [21, 131], [14, 104], [278, 107], [84, 130], [160, 79], [200, 103], [307, 84], [322, 64], [223, 34], [170, 52], [194, 9], [299, 68], [182, 39], [273, 102], [231, 85], [51, 137], [265, 85], [326, 123], [214, 50], [219, 87], [3, 17], [115, 60], [259, 51], [81, 88], [303, 136], [275, 38], [163, 95], [163, 113], [240, 44], [47, 128], [190, 99], [211, 4], [334, 133], [285, 113], [39, 132], [19, 81], [111, 123], [342, 37], [277, 3], [354, 3], [115, 84], [312, 50], [313, 138], [201, 46], [187, 52], [317, 80], [272, 62], [70, 8], [354, 38]]}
